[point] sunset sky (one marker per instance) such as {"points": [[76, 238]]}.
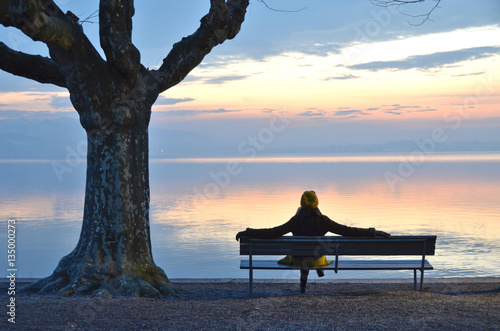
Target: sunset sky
{"points": [[340, 71], [302, 77]]}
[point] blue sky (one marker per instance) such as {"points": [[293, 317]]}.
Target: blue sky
{"points": [[343, 72]]}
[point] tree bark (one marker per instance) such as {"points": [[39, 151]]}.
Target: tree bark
{"points": [[113, 255], [36, 67], [41, 21], [113, 98]]}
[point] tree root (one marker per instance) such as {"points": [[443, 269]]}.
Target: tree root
{"points": [[129, 284]]}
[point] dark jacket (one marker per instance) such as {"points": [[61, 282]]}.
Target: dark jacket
{"points": [[310, 222]]}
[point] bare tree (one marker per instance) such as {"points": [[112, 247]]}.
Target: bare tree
{"points": [[113, 97]]}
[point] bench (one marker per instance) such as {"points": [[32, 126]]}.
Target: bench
{"points": [[339, 246]]}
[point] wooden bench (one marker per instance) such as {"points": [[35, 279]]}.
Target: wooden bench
{"points": [[339, 246]]}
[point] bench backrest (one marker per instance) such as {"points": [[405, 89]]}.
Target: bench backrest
{"points": [[336, 245]]}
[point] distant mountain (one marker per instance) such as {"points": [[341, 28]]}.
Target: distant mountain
{"points": [[63, 137], [23, 138], [399, 146], [57, 138], [177, 143]]}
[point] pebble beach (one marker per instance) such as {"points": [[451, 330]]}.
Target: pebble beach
{"points": [[225, 304]]}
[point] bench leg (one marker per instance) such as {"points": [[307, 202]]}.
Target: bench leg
{"points": [[250, 281], [421, 280], [304, 273]]}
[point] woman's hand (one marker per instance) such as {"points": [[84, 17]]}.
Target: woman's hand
{"points": [[241, 234], [382, 234]]}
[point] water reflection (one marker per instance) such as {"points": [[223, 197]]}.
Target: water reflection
{"points": [[198, 206]]}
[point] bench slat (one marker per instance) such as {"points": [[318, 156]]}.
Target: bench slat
{"points": [[303, 246], [345, 265]]}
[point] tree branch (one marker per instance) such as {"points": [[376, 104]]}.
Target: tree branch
{"points": [[223, 22], [281, 10], [115, 32], [425, 17], [4, 10], [36, 67], [41, 20]]}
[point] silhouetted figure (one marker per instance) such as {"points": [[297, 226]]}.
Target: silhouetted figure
{"points": [[308, 221]]}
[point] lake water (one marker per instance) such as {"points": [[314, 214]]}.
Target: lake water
{"points": [[198, 205]]}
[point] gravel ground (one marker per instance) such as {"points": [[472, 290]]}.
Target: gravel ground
{"points": [[446, 304]]}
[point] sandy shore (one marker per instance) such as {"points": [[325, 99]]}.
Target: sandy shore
{"points": [[224, 304]]}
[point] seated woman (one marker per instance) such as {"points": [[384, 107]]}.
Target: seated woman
{"points": [[308, 221]]}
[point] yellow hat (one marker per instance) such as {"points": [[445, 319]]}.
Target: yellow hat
{"points": [[309, 199]]}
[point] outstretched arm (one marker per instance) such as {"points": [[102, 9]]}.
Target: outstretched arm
{"points": [[350, 231], [269, 233]]}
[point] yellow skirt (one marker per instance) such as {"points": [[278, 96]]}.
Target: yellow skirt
{"points": [[307, 262]]}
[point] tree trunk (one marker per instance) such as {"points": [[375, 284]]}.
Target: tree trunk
{"points": [[113, 97], [113, 255]]}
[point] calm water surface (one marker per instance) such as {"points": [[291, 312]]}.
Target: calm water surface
{"points": [[198, 205]]}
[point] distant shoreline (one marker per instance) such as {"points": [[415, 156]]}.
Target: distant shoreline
{"points": [[441, 156]]}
